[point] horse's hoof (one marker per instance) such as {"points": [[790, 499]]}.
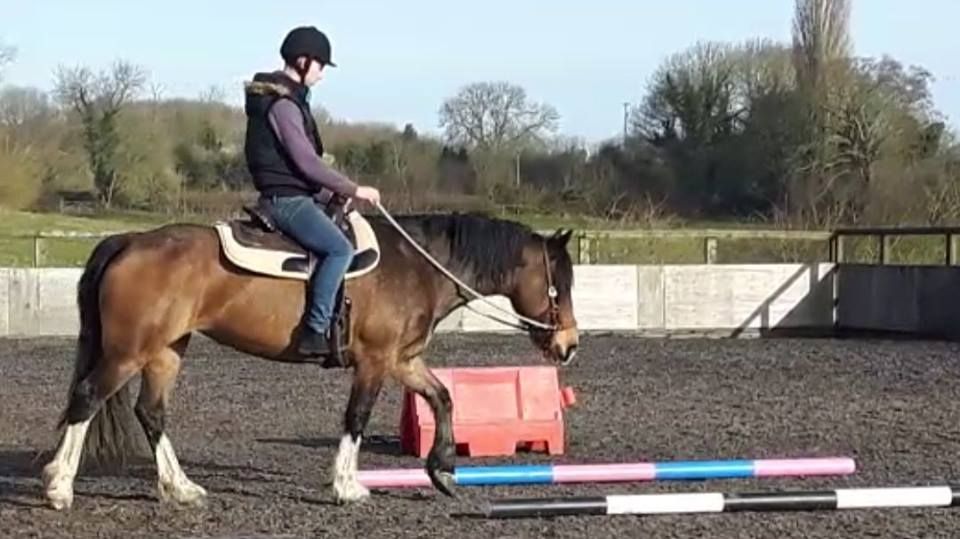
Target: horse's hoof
{"points": [[184, 493], [60, 501], [59, 496], [350, 492], [443, 481], [440, 467], [58, 490]]}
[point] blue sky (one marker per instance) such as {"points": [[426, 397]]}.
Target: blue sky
{"points": [[400, 60]]}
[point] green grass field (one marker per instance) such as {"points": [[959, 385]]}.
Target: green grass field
{"points": [[17, 245], [19, 248]]}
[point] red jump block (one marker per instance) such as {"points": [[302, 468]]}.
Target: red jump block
{"points": [[495, 411]]}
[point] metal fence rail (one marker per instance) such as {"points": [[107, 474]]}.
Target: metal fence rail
{"points": [[709, 237], [885, 236]]}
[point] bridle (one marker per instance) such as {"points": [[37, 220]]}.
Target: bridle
{"points": [[553, 313]]}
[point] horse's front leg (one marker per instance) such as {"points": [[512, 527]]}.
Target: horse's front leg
{"points": [[414, 375], [367, 382]]}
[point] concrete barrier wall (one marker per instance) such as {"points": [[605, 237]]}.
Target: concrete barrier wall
{"points": [[918, 300], [39, 301], [725, 299], [717, 299], [748, 297]]}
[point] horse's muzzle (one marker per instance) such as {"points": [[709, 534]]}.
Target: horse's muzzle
{"points": [[563, 346]]}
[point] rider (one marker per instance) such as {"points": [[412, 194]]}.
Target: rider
{"points": [[284, 155]]}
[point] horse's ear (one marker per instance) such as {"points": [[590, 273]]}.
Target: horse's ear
{"points": [[561, 236]]}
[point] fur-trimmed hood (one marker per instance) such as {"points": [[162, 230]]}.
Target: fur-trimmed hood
{"points": [[265, 88], [260, 87], [274, 84]]}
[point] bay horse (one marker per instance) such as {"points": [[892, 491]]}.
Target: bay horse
{"points": [[142, 294]]}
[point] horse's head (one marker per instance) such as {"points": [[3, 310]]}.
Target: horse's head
{"points": [[542, 288]]}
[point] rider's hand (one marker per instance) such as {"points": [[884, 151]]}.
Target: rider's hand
{"points": [[370, 194]]}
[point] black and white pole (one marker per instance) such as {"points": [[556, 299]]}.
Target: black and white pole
{"points": [[718, 502]]}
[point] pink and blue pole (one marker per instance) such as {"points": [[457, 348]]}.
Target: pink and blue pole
{"points": [[546, 474]]}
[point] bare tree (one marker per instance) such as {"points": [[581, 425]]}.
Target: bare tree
{"points": [[495, 115], [156, 90], [21, 105], [691, 97], [821, 50], [98, 99], [821, 46], [761, 67], [821, 35], [28, 118], [690, 115], [7, 54], [213, 94]]}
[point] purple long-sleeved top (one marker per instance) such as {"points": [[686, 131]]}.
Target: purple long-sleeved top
{"points": [[287, 122]]}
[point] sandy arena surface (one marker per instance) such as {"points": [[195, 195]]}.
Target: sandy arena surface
{"points": [[260, 436]]}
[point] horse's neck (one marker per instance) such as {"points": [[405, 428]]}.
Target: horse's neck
{"points": [[452, 295]]}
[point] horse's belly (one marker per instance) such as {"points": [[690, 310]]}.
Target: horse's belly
{"points": [[259, 318]]}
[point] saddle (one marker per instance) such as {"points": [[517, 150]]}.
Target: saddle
{"points": [[255, 244]]}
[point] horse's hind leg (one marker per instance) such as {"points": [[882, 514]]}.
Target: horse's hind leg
{"points": [[86, 399], [159, 378]]}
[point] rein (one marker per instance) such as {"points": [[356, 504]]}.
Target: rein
{"points": [[527, 323]]}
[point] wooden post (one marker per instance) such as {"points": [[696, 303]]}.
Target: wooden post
{"points": [[583, 248], [885, 249], [36, 250], [710, 250], [953, 250]]}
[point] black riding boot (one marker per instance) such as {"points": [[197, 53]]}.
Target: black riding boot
{"points": [[312, 343]]}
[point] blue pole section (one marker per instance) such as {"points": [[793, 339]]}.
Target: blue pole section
{"points": [[504, 475], [704, 469]]}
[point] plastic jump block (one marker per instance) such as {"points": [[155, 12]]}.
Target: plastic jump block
{"points": [[495, 411]]}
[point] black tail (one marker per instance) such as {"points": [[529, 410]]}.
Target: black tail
{"points": [[114, 430]]}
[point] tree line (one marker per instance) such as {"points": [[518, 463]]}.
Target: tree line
{"points": [[800, 133]]}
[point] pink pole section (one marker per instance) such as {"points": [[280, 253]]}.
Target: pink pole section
{"points": [[599, 473], [801, 467], [393, 478]]}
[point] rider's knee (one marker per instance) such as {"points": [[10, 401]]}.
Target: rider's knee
{"points": [[342, 248]]}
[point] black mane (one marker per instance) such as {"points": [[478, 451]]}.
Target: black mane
{"points": [[488, 248]]}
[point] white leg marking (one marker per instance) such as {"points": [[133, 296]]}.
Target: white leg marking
{"points": [[59, 473], [346, 486], [172, 481]]}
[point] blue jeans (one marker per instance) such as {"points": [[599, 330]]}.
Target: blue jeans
{"points": [[300, 218]]}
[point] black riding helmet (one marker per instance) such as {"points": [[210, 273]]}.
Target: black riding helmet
{"points": [[306, 41]]}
